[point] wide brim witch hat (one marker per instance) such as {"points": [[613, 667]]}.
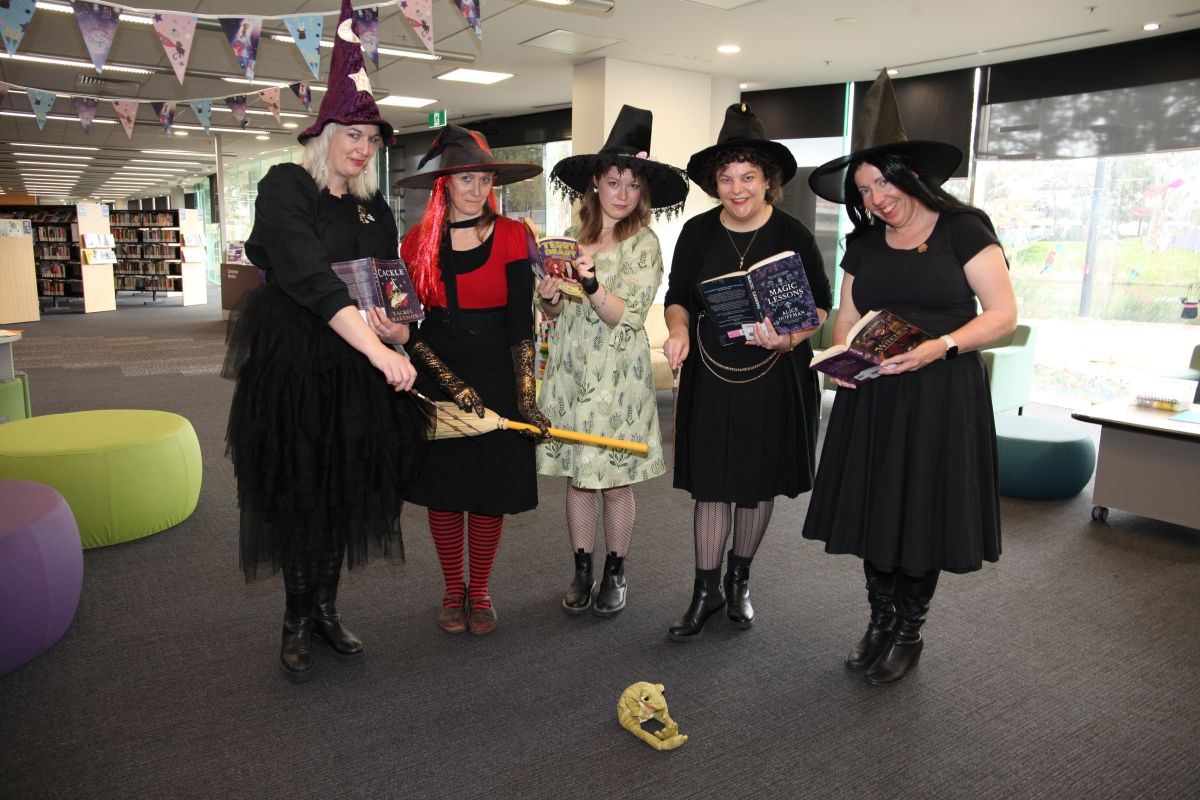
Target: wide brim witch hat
{"points": [[456, 149], [878, 130], [348, 99], [741, 130], [627, 148]]}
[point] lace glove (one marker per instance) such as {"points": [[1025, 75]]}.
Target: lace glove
{"points": [[522, 356], [463, 395]]}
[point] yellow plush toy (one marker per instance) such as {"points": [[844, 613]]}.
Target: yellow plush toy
{"points": [[642, 702]]}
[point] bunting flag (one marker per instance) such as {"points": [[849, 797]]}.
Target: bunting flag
{"points": [[243, 33], [303, 93], [366, 28], [203, 111], [98, 24], [41, 103], [419, 14], [85, 109], [3, 91], [270, 98], [176, 31], [14, 19], [237, 104], [166, 114], [306, 33], [470, 10], [127, 113]]}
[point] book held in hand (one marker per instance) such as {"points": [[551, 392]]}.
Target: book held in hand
{"points": [[381, 283], [878, 336], [554, 256], [775, 288]]}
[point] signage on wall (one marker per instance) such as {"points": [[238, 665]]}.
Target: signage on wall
{"points": [[437, 119]]}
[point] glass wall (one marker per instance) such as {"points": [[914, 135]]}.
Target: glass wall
{"points": [[241, 190], [533, 198]]}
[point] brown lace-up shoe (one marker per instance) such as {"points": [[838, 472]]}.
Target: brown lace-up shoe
{"points": [[452, 616]]}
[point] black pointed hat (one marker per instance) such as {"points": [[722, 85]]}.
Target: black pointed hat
{"points": [[878, 129], [741, 130], [627, 148], [456, 149]]}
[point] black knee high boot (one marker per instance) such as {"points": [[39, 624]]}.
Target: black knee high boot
{"points": [[912, 606], [737, 592], [880, 590], [296, 655], [327, 624], [706, 601], [611, 597], [579, 594]]}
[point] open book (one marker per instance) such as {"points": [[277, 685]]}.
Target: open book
{"points": [[381, 283], [555, 256], [878, 336], [775, 288]]}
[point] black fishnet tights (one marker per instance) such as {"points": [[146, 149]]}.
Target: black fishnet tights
{"points": [[712, 523], [583, 511]]}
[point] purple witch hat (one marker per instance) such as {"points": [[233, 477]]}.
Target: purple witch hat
{"points": [[348, 99]]}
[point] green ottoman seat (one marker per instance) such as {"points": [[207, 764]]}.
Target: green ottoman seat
{"points": [[125, 474], [1042, 459]]}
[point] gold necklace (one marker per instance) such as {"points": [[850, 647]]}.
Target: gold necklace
{"points": [[741, 253]]}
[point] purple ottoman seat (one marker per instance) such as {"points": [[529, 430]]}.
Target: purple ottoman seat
{"points": [[41, 570]]}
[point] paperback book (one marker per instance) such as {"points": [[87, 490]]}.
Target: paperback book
{"points": [[554, 256], [878, 336], [381, 283], [775, 288]]}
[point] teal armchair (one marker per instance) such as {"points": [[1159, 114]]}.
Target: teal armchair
{"points": [[1009, 362]]}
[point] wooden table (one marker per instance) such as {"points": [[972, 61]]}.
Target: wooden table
{"points": [[1147, 464], [7, 371]]}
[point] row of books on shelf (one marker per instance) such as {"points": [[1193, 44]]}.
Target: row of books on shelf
{"points": [[160, 236], [133, 283], [145, 268], [50, 234], [53, 251], [58, 288], [157, 219], [40, 215], [52, 269]]}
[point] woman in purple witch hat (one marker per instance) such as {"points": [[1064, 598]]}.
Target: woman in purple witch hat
{"points": [[325, 439]]}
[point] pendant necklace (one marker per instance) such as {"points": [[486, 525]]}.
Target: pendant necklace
{"points": [[741, 254]]}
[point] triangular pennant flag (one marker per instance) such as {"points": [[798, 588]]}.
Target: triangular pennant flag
{"points": [[14, 19], [85, 109], [306, 33], [41, 103], [470, 10], [270, 98], [303, 93], [243, 33], [127, 113], [176, 31], [419, 14], [3, 91], [98, 24], [166, 114], [237, 104], [366, 27], [203, 111]]}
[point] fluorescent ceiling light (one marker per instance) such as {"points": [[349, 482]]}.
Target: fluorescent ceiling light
{"points": [[163, 161], [563, 41], [729, 49], [262, 137], [154, 170], [384, 50], [58, 118], [179, 132], [474, 76], [290, 125], [51, 155], [893, 71], [44, 167], [58, 146], [1151, 26], [404, 102], [268, 113], [257, 82], [74, 63], [191, 153]]}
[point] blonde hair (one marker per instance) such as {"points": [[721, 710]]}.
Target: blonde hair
{"points": [[316, 160]]}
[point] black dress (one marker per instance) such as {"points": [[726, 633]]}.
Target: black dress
{"points": [[747, 432], [907, 478], [323, 449]]}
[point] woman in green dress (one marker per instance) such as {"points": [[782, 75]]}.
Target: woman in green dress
{"points": [[598, 377]]}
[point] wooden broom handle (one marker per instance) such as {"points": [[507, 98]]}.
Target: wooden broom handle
{"points": [[637, 448]]}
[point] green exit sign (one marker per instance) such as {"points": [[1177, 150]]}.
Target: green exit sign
{"points": [[437, 119]]}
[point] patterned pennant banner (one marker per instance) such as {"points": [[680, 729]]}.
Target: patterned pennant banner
{"points": [[203, 111], [306, 33], [470, 10], [127, 113], [419, 14], [366, 28], [41, 103], [243, 33], [166, 114], [176, 31], [85, 109], [303, 93], [237, 104], [98, 24], [14, 19], [270, 98]]}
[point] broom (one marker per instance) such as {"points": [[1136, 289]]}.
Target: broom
{"points": [[449, 421]]}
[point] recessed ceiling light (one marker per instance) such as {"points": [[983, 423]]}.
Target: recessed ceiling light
{"points": [[474, 76], [893, 71], [290, 125], [729, 49], [404, 102], [179, 133], [1151, 26], [743, 86], [262, 137]]}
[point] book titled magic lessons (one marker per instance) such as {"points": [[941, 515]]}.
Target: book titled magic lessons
{"points": [[775, 288], [554, 256], [878, 336], [381, 283]]}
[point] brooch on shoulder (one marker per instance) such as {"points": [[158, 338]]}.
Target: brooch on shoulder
{"points": [[365, 217]]}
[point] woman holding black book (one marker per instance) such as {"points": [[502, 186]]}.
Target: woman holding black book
{"points": [[746, 423], [907, 480]]}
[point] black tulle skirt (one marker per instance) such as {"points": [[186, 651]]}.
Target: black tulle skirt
{"points": [[324, 451]]}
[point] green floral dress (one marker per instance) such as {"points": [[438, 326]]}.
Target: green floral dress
{"points": [[598, 378]]}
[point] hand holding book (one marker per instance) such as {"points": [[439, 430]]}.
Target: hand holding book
{"points": [[878, 344]]}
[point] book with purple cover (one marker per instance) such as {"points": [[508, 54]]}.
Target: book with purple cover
{"points": [[556, 256], [775, 288], [876, 337], [381, 283]]}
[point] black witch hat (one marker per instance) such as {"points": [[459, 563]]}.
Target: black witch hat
{"points": [[741, 130], [456, 149]]}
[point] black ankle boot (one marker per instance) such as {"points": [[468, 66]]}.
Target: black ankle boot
{"points": [[611, 597], [880, 589], [579, 594], [912, 606], [737, 592], [706, 601], [327, 624], [296, 655]]}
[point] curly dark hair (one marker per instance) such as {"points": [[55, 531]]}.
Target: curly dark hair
{"points": [[772, 172]]}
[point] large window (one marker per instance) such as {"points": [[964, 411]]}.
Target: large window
{"points": [[533, 198]]}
